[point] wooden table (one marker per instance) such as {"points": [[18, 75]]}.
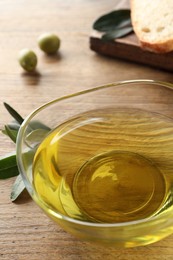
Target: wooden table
{"points": [[25, 232]]}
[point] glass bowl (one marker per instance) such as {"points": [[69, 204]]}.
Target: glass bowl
{"points": [[100, 162]]}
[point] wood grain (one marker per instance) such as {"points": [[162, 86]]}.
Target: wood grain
{"points": [[25, 232]]}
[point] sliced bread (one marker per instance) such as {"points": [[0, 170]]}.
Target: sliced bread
{"points": [[152, 22]]}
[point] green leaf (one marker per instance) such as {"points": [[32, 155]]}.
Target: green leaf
{"points": [[38, 125], [36, 136], [119, 33], [17, 188], [8, 166], [113, 20], [14, 125], [11, 133], [13, 128], [14, 113], [4, 132]]}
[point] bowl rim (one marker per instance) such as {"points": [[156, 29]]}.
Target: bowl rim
{"points": [[29, 186]]}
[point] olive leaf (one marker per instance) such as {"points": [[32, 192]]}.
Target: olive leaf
{"points": [[14, 113], [8, 163], [115, 24], [14, 125], [17, 188], [8, 166], [116, 34], [113, 20], [36, 137], [38, 125], [11, 133]]}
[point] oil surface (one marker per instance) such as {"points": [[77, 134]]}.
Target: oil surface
{"points": [[107, 166]]}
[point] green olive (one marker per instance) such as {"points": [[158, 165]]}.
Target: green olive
{"points": [[49, 43], [28, 60]]}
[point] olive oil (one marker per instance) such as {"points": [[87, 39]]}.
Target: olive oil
{"points": [[107, 166]]}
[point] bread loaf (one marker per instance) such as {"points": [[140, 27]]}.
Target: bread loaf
{"points": [[152, 22]]}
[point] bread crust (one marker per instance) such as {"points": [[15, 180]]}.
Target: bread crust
{"points": [[158, 47]]}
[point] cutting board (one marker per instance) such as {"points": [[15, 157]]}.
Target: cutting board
{"points": [[128, 48]]}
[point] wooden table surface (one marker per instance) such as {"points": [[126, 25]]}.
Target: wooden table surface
{"points": [[25, 232]]}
